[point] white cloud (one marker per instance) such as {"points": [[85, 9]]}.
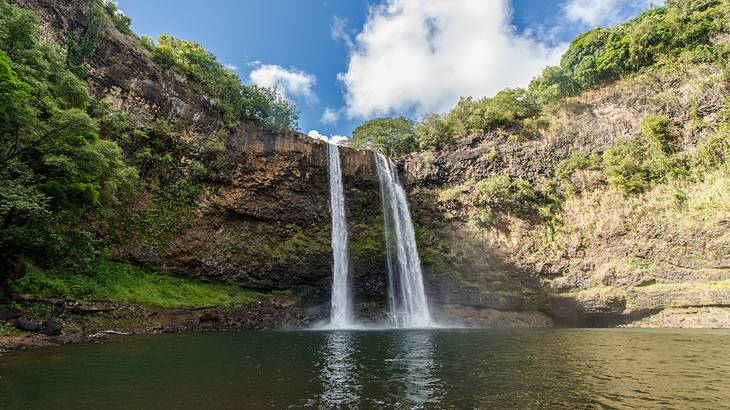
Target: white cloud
{"points": [[231, 67], [604, 12], [422, 55], [332, 139], [339, 31], [292, 83], [329, 116]]}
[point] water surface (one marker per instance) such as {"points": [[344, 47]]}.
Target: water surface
{"points": [[525, 369]]}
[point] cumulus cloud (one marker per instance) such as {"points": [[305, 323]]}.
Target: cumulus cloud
{"points": [[604, 12], [329, 116], [292, 83], [332, 139], [422, 55]]}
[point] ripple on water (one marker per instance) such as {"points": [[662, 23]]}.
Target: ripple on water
{"points": [[525, 369]]}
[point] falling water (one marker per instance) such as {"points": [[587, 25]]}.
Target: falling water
{"points": [[406, 295], [341, 314]]}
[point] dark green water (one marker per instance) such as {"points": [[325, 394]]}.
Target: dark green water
{"points": [[371, 369]]}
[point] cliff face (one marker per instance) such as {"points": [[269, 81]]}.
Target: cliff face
{"points": [[603, 257], [266, 223], [260, 219]]}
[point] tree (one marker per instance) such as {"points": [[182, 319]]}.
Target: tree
{"points": [[433, 131], [55, 167], [391, 136]]}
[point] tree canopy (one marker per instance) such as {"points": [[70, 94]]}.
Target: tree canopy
{"points": [[391, 136]]}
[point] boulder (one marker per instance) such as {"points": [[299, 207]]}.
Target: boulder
{"points": [[27, 325], [10, 314], [51, 327]]}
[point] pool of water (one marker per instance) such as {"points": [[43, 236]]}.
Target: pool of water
{"points": [[524, 369]]}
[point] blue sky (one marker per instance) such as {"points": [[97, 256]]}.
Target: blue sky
{"points": [[358, 59]]}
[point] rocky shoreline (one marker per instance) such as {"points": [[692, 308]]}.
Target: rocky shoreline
{"points": [[35, 324]]}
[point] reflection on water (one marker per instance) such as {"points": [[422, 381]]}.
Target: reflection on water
{"points": [[339, 380], [405, 372], [412, 365], [490, 369]]}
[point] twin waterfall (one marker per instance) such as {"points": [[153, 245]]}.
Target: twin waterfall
{"points": [[406, 294], [407, 303], [341, 315]]}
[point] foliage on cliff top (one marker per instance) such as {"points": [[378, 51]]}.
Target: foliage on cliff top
{"points": [[56, 168], [238, 101]]}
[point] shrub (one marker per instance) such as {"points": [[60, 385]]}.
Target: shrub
{"points": [[505, 194], [553, 85], [661, 133], [506, 109], [483, 219], [120, 20], [714, 151], [627, 167], [577, 162]]}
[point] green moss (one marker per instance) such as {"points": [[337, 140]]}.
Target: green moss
{"points": [[166, 218], [367, 238], [117, 281], [295, 247]]}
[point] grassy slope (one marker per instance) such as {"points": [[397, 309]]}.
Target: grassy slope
{"points": [[117, 281]]}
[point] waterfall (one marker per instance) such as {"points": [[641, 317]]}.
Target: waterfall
{"points": [[406, 295], [341, 314]]}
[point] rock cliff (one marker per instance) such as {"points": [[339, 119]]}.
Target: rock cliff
{"points": [[603, 257]]}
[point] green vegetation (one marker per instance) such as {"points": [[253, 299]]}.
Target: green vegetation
{"points": [[119, 19], [501, 193], [56, 166], [68, 163], [498, 195], [238, 101], [160, 223], [70, 166], [99, 14], [513, 110], [293, 247], [633, 165], [391, 136], [116, 281]]}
